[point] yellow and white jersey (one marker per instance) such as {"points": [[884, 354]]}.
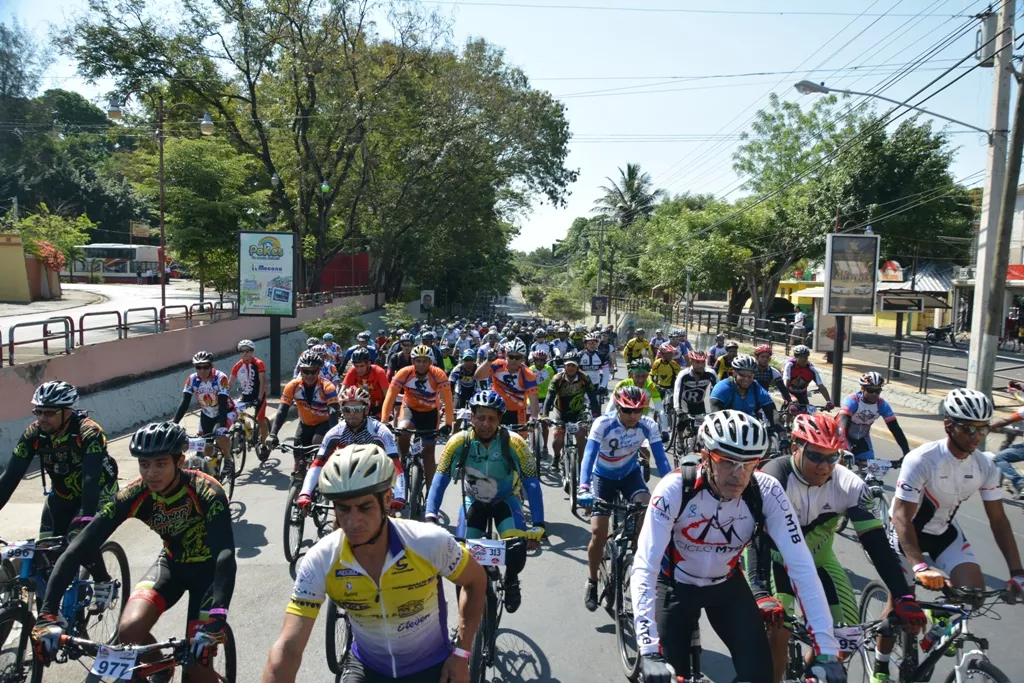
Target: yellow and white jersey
{"points": [[399, 626]]}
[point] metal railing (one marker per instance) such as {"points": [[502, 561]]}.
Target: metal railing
{"points": [[904, 350], [96, 314], [68, 335], [222, 306], [200, 308], [164, 317], [156, 319]]}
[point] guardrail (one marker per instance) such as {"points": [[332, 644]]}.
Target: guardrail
{"points": [[200, 308], [96, 314], [222, 306], [156, 319], [164, 317], [904, 349], [68, 335]]}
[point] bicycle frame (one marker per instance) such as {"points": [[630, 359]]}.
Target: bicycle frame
{"points": [[958, 632]]}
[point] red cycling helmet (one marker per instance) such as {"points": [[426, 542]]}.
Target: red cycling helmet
{"points": [[763, 348], [697, 357], [666, 349], [819, 430], [631, 397]]}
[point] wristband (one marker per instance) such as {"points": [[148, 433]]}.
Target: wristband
{"points": [[920, 567], [219, 612], [86, 520], [460, 653]]}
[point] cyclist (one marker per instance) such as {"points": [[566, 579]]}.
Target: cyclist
{"points": [[560, 345], [717, 350], [329, 371], [462, 381], [333, 348], [356, 427], [424, 387], [640, 376], [566, 394], [490, 347], [693, 385], [362, 342], [189, 510], [699, 521], [211, 389], [514, 382], [767, 376], [368, 376], [577, 337], [251, 375], [429, 339], [936, 478], [385, 572], [463, 343], [401, 357], [606, 349], [544, 373], [799, 372], [72, 451], [723, 363], [664, 370], [859, 411], [595, 366], [610, 462], [311, 343], [382, 341], [740, 392], [1015, 453], [678, 339], [637, 347], [448, 363], [822, 492], [658, 339], [315, 398], [540, 342], [493, 464]]}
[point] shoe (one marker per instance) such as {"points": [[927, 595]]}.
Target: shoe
{"points": [[590, 597], [103, 593], [877, 677], [513, 595], [1018, 489]]}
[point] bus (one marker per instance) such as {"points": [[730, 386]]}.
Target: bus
{"points": [[108, 262]]}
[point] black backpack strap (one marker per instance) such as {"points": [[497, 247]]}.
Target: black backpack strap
{"points": [[688, 470], [506, 451]]}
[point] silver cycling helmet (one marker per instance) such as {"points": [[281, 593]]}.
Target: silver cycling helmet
{"points": [[734, 434], [967, 404]]}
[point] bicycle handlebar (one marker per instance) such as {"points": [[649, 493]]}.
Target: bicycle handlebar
{"points": [[289, 448]]}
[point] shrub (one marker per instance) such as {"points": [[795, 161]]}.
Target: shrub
{"points": [[344, 323]]}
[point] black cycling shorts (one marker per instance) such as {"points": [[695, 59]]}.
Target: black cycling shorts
{"points": [[356, 672], [567, 416], [422, 421], [167, 580], [305, 432]]}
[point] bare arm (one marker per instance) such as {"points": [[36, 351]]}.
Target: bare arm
{"points": [[472, 598], [286, 653], [903, 521], [1003, 533], [483, 372]]}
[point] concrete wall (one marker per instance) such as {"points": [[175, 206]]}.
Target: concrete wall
{"points": [[13, 279], [132, 381]]}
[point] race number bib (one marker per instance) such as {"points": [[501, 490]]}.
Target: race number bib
{"points": [[21, 550], [848, 637], [878, 468], [114, 663], [197, 445], [487, 552], [572, 428]]}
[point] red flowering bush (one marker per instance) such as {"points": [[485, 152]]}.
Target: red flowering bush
{"points": [[50, 256]]}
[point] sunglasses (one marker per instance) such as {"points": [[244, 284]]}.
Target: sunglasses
{"points": [[41, 412], [203, 367], [631, 411], [871, 390], [353, 409], [309, 372], [818, 458], [745, 375], [514, 356], [971, 430], [726, 461]]}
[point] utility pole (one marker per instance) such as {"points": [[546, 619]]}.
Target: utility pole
{"points": [[162, 256], [600, 250], [688, 308], [989, 285], [14, 208]]}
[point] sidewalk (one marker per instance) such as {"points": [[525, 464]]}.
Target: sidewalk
{"points": [[70, 298]]}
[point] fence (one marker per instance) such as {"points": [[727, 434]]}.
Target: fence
{"points": [[905, 349]]}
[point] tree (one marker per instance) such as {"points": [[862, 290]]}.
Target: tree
{"points": [[22, 62], [559, 305], [533, 295], [63, 233], [631, 197]]}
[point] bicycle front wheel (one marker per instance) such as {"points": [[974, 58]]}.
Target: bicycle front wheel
{"points": [[224, 661], [872, 604], [481, 646], [415, 491], [629, 652], [240, 448], [981, 669], [294, 523], [100, 621], [339, 638], [16, 660]]}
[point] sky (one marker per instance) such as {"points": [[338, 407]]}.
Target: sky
{"points": [[671, 84]]}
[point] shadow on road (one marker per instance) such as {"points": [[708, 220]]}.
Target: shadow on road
{"points": [[518, 658], [570, 537], [266, 473], [249, 538]]}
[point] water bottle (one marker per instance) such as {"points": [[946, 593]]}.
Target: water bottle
{"points": [[932, 637]]}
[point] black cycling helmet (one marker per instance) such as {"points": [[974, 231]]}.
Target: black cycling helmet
{"points": [[361, 356], [363, 336], [55, 395], [158, 439], [642, 365], [487, 399]]}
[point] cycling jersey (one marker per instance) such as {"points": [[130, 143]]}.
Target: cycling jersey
{"points": [[76, 463], [206, 392], [463, 386], [692, 390], [421, 394], [664, 372], [514, 387], [723, 367], [247, 374], [636, 348], [567, 395], [328, 371], [713, 353], [348, 354], [702, 544], [485, 350], [544, 376], [611, 448], [335, 350], [863, 414], [544, 347], [399, 623], [375, 382], [939, 482], [728, 394], [311, 402], [767, 377], [461, 345], [373, 431], [490, 476], [797, 378], [560, 347], [595, 366], [397, 362], [193, 520]]}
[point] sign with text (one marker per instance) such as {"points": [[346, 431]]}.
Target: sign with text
{"points": [[851, 273], [266, 273]]}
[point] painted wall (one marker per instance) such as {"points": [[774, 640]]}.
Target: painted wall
{"points": [[13, 278]]}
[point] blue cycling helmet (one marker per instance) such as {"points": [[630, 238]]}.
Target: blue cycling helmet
{"points": [[468, 355], [487, 399], [328, 337]]}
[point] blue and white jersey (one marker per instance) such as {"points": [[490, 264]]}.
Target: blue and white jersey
{"points": [[863, 414], [612, 448]]}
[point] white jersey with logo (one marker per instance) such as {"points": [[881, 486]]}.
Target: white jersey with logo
{"points": [[939, 482], [703, 542], [595, 366]]}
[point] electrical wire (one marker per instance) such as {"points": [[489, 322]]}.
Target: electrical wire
{"points": [[679, 10]]}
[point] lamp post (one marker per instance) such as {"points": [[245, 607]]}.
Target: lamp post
{"points": [[206, 127], [689, 304]]}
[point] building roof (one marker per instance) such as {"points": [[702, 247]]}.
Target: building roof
{"points": [[932, 276]]}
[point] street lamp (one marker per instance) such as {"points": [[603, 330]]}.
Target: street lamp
{"points": [[275, 180], [206, 125]]}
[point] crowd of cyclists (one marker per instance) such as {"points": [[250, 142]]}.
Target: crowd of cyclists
{"points": [[738, 528]]}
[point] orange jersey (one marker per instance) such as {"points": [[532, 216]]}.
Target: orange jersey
{"points": [[421, 395], [375, 382], [514, 387], [313, 412]]}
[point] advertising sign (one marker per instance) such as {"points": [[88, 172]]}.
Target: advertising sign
{"points": [[825, 333], [266, 273], [902, 304], [851, 274], [139, 229], [426, 299], [598, 305]]}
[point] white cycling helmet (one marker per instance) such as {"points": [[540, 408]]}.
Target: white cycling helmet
{"points": [[967, 404], [357, 470], [734, 434], [515, 346], [246, 344]]}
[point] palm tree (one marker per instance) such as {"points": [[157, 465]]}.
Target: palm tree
{"points": [[630, 198]]}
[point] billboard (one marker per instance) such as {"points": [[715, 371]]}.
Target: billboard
{"points": [[426, 299], [825, 333], [598, 305], [851, 274], [266, 273]]}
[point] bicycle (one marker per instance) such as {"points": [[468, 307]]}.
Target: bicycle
{"points": [[957, 603], [84, 607], [120, 662], [339, 637], [571, 459], [851, 639], [873, 474], [294, 516], [251, 429], [415, 477], [222, 464], [684, 435], [614, 575]]}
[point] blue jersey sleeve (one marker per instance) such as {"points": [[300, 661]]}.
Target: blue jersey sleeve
{"points": [[849, 405], [885, 410], [722, 392]]}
